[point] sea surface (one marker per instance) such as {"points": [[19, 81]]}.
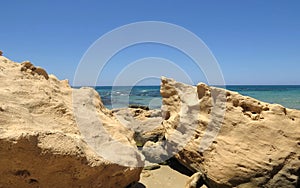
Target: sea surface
{"points": [[122, 96]]}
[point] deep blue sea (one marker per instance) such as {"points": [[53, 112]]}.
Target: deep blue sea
{"points": [[117, 97]]}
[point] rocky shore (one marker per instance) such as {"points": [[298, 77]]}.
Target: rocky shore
{"points": [[203, 137], [40, 143]]}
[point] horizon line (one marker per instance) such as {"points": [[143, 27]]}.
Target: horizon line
{"points": [[192, 85]]}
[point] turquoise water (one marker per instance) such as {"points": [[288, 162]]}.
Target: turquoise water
{"points": [[117, 97], [288, 96]]}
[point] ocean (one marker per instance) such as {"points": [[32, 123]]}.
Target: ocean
{"points": [[117, 97]]}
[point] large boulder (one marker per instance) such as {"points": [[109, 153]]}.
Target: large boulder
{"points": [[40, 142], [236, 141]]}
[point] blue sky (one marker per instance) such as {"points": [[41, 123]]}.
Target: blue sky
{"points": [[254, 41]]}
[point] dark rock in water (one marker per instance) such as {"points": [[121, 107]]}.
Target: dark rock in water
{"points": [[138, 106]]}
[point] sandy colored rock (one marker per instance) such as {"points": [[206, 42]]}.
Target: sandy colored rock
{"points": [[40, 143], [256, 145], [163, 177], [194, 180]]}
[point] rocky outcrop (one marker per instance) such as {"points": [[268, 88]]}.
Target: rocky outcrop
{"points": [[27, 66], [40, 142], [54, 136], [232, 140]]}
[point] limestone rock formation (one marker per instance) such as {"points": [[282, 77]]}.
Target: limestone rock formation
{"points": [[40, 143], [237, 141]]}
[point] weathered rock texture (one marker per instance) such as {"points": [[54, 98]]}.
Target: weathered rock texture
{"points": [[40, 144], [29, 67], [145, 123], [258, 144]]}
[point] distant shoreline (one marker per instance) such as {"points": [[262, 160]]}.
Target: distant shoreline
{"points": [[286, 95], [297, 85]]}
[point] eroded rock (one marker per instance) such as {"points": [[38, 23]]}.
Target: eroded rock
{"points": [[28, 66], [41, 71], [40, 143], [257, 144]]}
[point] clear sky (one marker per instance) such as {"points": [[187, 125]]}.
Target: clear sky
{"points": [[254, 41]]}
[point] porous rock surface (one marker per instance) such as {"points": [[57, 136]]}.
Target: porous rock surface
{"points": [[145, 123], [40, 143], [237, 141]]}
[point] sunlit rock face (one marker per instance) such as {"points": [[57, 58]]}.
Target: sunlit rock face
{"points": [[40, 142], [236, 141]]}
